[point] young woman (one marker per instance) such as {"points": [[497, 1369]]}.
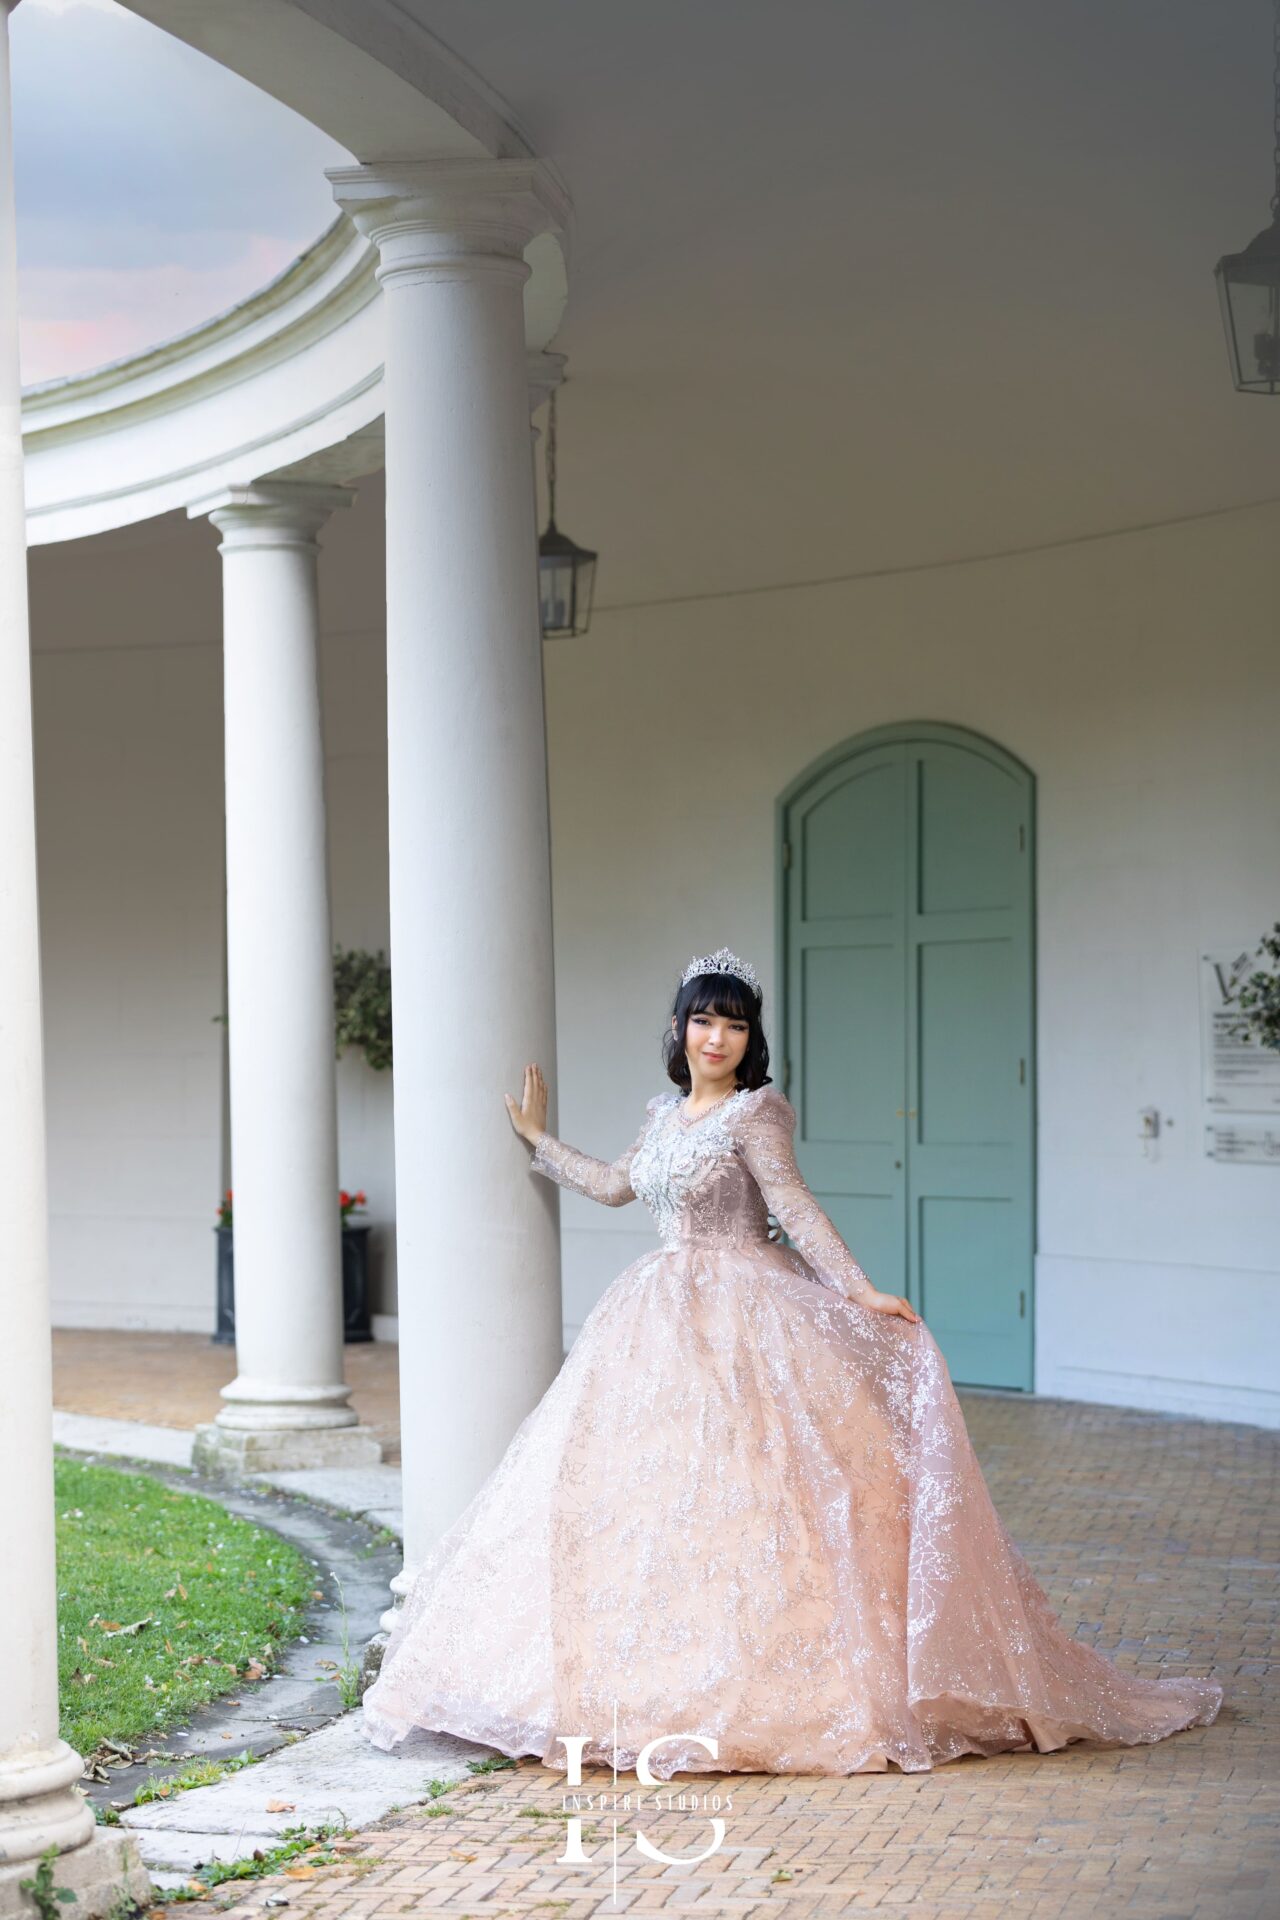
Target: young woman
{"points": [[747, 1507]]}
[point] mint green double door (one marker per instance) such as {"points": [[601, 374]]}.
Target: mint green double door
{"points": [[907, 974]]}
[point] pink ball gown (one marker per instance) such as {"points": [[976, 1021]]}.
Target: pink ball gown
{"points": [[748, 1508]]}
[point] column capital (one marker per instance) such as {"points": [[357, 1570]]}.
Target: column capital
{"points": [[271, 513], [451, 218]]}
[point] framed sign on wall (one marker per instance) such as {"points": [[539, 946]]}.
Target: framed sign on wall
{"points": [[1240, 1076]]}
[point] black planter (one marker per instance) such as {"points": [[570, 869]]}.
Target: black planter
{"points": [[355, 1286]]}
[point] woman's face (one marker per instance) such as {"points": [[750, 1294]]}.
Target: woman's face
{"points": [[715, 1044]]}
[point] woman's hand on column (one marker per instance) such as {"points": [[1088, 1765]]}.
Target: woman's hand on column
{"points": [[529, 1118]]}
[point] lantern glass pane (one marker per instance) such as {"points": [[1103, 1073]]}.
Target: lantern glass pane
{"points": [[1249, 291], [586, 587], [555, 580]]}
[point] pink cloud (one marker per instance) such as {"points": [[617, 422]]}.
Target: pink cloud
{"points": [[73, 319]]}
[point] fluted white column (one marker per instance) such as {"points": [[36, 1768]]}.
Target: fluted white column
{"points": [[288, 1404], [473, 992], [40, 1802]]}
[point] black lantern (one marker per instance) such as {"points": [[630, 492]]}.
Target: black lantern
{"points": [[1249, 283], [566, 571]]}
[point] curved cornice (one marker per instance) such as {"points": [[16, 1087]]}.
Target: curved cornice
{"points": [[291, 371], [368, 72], [313, 293], [288, 380]]}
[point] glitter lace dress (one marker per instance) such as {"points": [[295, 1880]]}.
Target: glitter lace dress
{"points": [[747, 1507]]}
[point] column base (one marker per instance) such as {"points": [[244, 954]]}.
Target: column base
{"points": [[401, 1587], [229, 1453], [106, 1875]]}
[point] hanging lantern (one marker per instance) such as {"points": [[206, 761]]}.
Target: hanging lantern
{"points": [[1249, 282], [566, 571]]}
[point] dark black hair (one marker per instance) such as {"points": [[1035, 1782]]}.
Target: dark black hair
{"points": [[735, 999]]}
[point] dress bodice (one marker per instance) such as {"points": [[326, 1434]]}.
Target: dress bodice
{"points": [[713, 1181], [692, 1178]]}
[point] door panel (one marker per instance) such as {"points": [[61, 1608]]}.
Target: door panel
{"points": [[968, 1043], [847, 1003], [961, 820], [907, 954], [971, 1252], [851, 844], [968, 1074]]}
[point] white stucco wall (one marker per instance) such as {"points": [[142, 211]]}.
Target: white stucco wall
{"points": [[127, 694], [1138, 677], [126, 632]]}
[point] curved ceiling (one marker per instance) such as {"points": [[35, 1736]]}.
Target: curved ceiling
{"points": [[869, 286], [854, 287], [289, 379]]}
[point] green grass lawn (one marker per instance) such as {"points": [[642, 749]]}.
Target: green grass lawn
{"points": [[165, 1600]]}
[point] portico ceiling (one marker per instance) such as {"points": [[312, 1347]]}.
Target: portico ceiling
{"points": [[853, 287], [861, 285]]}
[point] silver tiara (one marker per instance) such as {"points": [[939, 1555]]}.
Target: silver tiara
{"points": [[722, 961]]}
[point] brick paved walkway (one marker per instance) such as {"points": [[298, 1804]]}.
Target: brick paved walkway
{"points": [[175, 1379], [1157, 1539]]}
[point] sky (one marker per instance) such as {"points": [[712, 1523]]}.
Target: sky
{"points": [[154, 188]]}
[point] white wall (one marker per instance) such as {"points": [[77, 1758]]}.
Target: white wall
{"points": [[127, 689], [353, 686], [1139, 678], [128, 751]]}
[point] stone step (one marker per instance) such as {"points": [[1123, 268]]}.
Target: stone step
{"points": [[332, 1776]]}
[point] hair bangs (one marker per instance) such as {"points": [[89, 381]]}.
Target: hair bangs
{"points": [[721, 993]]}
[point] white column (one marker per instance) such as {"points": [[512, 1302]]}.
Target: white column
{"points": [[287, 1406], [40, 1802], [473, 993]]}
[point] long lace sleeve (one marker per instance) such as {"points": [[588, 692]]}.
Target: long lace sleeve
{"points": [[765, 1139], [609, 1182]]}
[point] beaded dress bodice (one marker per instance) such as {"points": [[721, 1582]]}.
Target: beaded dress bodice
{"points": [[694, 1182], [713, 1181]]}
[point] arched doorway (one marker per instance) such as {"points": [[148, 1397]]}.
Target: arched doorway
{"points": [[906, 971]]}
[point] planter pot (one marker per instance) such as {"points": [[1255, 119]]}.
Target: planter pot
{"points": [[356, 1324]]}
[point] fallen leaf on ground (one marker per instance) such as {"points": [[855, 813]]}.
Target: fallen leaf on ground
{"points": [[281, 1806]]}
